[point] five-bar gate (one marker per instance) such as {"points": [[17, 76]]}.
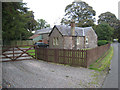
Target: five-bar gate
{"points": [[17, 53]]}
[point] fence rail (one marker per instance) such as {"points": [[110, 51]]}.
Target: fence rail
{"points": [[72, 57]]}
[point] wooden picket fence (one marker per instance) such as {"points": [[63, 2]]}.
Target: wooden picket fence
{"points": [[72, 57]]}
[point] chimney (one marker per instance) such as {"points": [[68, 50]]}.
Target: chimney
{"points": [[72, 27]]}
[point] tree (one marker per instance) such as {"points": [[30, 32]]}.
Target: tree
{"points": [[31, 22], [104, 31], [42, 24], [14, 21], [81, 12], [111, 19], [118, 31]]}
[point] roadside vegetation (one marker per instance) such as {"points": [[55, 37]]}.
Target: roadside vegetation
{"points": [[103, 42], [31, 51], [103, 63]]}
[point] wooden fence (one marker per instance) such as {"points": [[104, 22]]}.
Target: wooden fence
{"points": [[96, 53], [72, 57]]}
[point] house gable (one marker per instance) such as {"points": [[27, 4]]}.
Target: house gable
{"points": [[53, 30], [92, 39], [55, 34]]}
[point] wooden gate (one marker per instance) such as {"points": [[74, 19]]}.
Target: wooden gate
{"points": [[17, 53]]}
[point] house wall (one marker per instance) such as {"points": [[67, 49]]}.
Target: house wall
{"points": [[81, 45], [37, 38], [56, 34], [92, 39], [68, 44], [71, 42], [45, 36]]}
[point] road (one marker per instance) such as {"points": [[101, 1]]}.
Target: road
{"points": [[111, 80], [40, 74]]}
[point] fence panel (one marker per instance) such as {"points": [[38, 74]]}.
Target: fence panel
{"points": [[72, 57], [63, 56], [96, 53]]}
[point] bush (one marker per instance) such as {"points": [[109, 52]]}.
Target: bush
{"points": [[102, 42]]}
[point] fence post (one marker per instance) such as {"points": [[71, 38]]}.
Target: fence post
{"points": [[55, 55], [63, 50], [87, 58], [46, 53], [35, 51]]}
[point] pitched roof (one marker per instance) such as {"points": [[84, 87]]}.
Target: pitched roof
{"points": [[43, 31], [79, 31], [33, 36]]}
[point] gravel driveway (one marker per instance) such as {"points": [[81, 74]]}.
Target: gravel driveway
{"points": [[40, 74]]}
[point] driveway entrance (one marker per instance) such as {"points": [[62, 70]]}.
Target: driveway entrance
{"points": [[17, 53]]}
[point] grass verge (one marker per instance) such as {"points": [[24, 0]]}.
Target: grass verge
{"points": [[31, 52], [101, 65]]}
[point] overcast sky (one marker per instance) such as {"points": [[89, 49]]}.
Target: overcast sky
{"points": [[53, 10]]}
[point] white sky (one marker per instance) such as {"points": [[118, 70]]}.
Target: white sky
{"points": [[53, 10]]}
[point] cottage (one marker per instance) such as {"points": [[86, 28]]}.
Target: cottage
{"points": [[71, 37], [41, 35]]}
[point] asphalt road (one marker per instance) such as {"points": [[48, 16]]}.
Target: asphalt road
{"points": [[111, 80]]}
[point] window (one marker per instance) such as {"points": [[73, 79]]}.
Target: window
{"points": [[55, 41], [78, 40], [86, 40]]}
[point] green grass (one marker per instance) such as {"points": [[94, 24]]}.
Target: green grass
{"points": [[33, 52], [25, 47], [101, 65]]}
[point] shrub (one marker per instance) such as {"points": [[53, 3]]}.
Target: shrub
{"points": [[102, 42]]}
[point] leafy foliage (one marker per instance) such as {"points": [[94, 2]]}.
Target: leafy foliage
{"points": [[81, 12], [31, 22], [42, 24], [102, 42], [104, 31], [111, 19], [15, 21], [103, 64], [118, 31]]}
